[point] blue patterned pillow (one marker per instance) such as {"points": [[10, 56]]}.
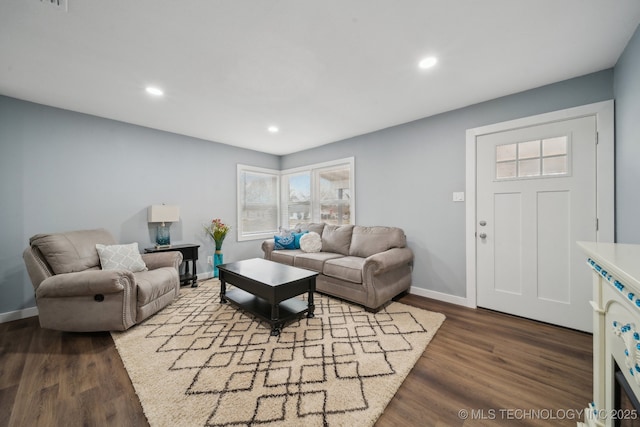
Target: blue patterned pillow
{"points": [[286, 241]]}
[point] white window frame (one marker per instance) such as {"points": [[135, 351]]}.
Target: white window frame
{"points": [[282, 195], [541, 157], [242, 236], [315, 205]]}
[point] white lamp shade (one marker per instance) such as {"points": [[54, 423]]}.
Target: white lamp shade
{"points": [[163, 213]]}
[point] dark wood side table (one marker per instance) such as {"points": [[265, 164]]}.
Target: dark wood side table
{"points": [[189, 254]]}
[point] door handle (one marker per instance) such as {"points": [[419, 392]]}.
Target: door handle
{"points": [[482, 235]]}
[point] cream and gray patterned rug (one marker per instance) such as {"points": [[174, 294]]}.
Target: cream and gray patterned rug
{"points": [[201, 363]]}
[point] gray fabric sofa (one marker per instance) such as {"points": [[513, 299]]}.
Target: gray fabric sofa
{"points": [[364, 265], [74, 294]]}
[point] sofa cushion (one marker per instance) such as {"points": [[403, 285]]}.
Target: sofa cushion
{"points": [[314, 261], [337, 238], [121, 257], [282, 231], [316, 227], [285, 256], [152, 284], [72, 251], [347, 268], [367, 241]]}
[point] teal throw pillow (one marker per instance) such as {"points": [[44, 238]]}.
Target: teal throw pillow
{"points": [[287, 241], [296, 237]]}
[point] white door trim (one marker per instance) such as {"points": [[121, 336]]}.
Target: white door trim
{"points": [[605, 173]]}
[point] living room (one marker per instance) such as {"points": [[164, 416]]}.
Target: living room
{"points": [[67, 170]]}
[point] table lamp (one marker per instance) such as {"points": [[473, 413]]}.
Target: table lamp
{"points": [[163, 214]]}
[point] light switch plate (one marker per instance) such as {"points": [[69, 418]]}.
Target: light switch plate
{"points": [[458, 196]]}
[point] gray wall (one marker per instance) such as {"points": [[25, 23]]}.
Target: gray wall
{"points": [[627, 94], [61, 170], [405, 175]]}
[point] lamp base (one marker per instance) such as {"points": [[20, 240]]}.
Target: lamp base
{"points": [[163, 239]]}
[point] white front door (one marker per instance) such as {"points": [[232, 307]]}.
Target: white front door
{"points": [[536, 196]]}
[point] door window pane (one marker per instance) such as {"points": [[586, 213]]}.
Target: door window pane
{"points": [[505, 152], [506, 170], [529, 149], [529, 159], [554, 146], [554, 165], [528, 168]]}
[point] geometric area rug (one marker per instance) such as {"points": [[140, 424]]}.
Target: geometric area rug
{"points": [[201, 363]]}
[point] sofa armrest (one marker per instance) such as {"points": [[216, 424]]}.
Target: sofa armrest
{"points": [[267, 247], [163, 259], [388, 260], [36, 266], [88, 282]]}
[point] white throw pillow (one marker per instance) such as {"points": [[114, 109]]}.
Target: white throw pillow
{"points": [[311, 242], [121, 257]]}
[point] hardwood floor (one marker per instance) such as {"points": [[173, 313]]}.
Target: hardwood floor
{"points": [[517, 371], [505, 366]]}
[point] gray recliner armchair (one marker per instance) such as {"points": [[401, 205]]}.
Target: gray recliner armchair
{"points": [[73, 292]]}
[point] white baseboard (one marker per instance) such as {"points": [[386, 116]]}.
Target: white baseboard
{"points": [[205, 276], [33, 311], [18, 314], [453, 299]]}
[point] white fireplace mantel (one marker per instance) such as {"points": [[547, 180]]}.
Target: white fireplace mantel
{"points": [[616, 324]]}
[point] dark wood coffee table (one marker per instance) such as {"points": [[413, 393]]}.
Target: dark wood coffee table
{"points": [[268, 289]]}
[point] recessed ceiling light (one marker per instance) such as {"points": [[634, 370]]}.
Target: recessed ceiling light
{"points": [[428, 62], [273, 129], [154, 91]]}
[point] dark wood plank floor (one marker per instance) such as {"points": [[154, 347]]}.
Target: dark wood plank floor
{"points": [[506, 366], [511, 370]]}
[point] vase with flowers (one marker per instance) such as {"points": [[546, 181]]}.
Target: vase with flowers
{"points": [[218, 231]]}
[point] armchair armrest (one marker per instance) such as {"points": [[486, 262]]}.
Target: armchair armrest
{"points": [[163, 259], [88, 282], [268, 246], [388, 260]]}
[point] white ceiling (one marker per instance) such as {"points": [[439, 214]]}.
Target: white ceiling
{"points": [[320, 70]]}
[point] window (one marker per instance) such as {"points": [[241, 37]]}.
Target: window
{"points": [[268, 199], [319, 193], [258, 194], [334, 195], [297, 191], [533, 159]]}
